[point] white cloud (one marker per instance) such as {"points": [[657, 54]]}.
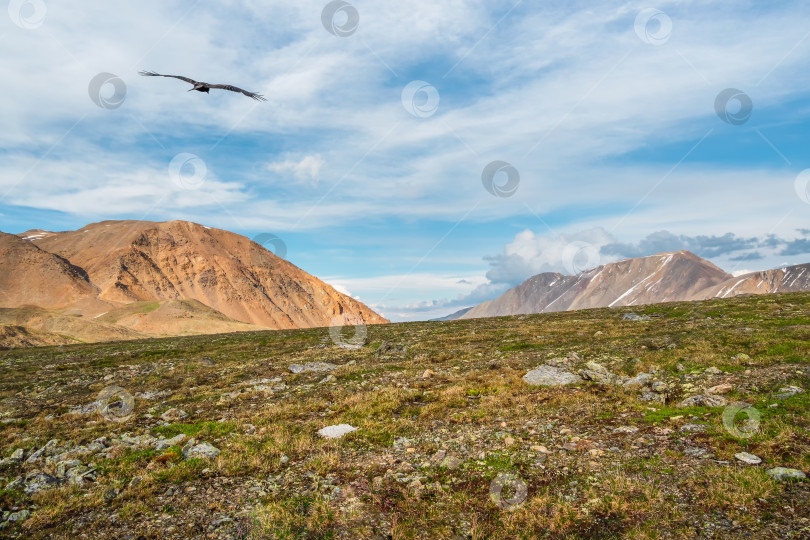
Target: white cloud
{"points": [[306, 169]]}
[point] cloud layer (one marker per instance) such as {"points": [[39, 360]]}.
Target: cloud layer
{"points": [[614, 130]]}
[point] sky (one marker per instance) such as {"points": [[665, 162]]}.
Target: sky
{"points": [[422, 156]]}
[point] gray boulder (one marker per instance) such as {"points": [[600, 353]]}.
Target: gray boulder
{"points": [[15, 457], [38, 481], [312, 366], [550, 376], [788, 391], [639, 381], [20, 516], [703, 401], [783, 473], [163, 444], [203, 450]]}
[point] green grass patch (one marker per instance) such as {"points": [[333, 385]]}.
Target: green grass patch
{"points": [[655, 417], [185, 471]]}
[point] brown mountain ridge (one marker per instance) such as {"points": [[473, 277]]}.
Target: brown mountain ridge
{"points": [[124, 279]]}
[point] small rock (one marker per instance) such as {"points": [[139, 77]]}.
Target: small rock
{"points": [[336, 432], [37, 481], [635, 317], [593, 366], [19, 517], [697, 452], [207, 361], [788, 391], [703, 401], [135, 482], [177, 440], [712, 371], [451, 462], [680, 367], [637, 382], [720, 389], [652, 396], [428, 374], [783, 473], [550, 376], [203, 450], [312, 366], [173, 414], [387, 348], [284, 459], [64, 466], [750, 459], [693, 428], [46, 450], [15, 457], [509, 441], [438, 456], [659, 386], [625, 429], [600, 376], [329, 378]]}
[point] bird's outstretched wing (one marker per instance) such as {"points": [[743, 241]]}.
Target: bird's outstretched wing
{"points": [[254, 95], [153, 74]]}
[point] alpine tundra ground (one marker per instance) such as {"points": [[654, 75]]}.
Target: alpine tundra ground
{"points": [[676, 430]]}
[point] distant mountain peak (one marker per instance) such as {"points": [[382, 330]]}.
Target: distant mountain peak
{"points": [[663, 277]]}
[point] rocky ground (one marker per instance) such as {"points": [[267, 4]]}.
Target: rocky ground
{"points": [[670, 421]]}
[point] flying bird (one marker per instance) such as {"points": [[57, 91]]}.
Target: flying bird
{"points": [[205, 87]]}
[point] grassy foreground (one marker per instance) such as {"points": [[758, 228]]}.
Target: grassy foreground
{"points": [[451, 442]]}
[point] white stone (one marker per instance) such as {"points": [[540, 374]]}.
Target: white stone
{"points": [[336, 432]]}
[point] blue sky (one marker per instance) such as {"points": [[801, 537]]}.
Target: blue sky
{"points": [[606, 112]]}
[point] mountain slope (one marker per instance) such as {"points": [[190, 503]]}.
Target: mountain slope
{"points": [[790, 279], [142, 261], [665, 277], [200, 280], [31, 276]]}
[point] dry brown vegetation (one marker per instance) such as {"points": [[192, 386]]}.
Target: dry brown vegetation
{"points": [[275, 478]]}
